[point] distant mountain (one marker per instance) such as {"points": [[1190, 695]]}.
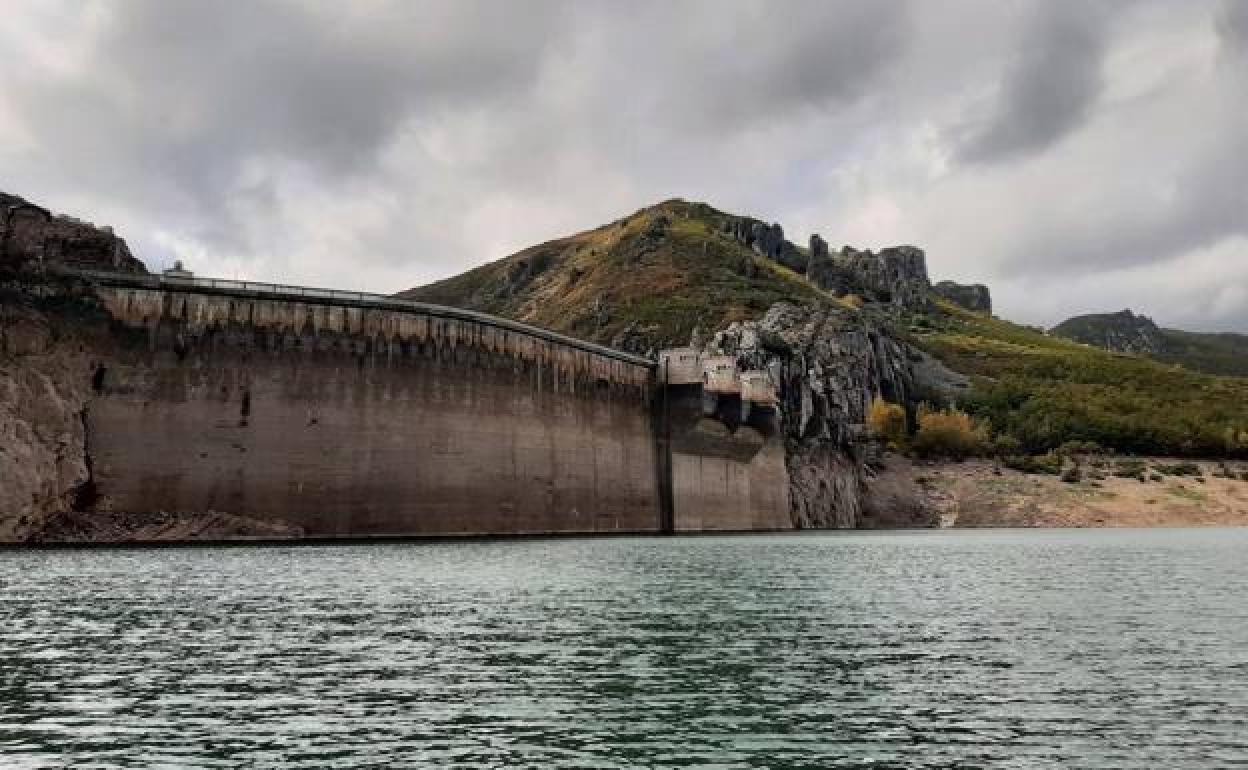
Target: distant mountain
{"points": [[1122, 332], [1126, 332]]}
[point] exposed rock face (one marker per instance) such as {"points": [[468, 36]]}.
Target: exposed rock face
{"points": [[44, 387], [829, 363], [974, 297], [30, 235], [766, 240], [818, 247], [831, 272], [1123, 332], [896, 276]]}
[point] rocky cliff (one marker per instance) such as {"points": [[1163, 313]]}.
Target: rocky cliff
{"points": [[830, 363], [44, 379], [31, 237], [51, 348], [895, 276], [974, 297], [46, 362]]}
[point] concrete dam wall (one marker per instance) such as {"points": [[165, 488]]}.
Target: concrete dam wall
{"points": [[342, 418]]}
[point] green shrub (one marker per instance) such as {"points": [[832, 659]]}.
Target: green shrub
{"points": [[1050, 393], [1004, 445], [1049, 464], [1179, 469], [1076, 448], [1131, 469]]}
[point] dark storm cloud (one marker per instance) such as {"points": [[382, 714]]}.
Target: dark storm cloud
{"points": [[1050, 87], [379, 144], [1165, 178], [182, 95], [766, 61], [1233, 27]]}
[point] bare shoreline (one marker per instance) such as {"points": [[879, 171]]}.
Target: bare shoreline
{"points": [[983, 493]]}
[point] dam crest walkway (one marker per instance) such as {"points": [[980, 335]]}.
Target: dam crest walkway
{"points": [[291, 293]]}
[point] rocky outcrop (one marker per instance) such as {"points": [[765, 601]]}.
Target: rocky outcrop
{"points": [[896, 276], [829, 363], [1122, 332], [31, 237], [818, 248], [766, 240], [974, 297]]}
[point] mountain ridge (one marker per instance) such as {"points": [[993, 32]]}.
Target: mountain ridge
{"points": [[1220, 353]]}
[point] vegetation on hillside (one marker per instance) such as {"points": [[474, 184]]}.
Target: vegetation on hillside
{"points": [[1044, 392], [1213, 353], [650, 279], [949, 433], [887, 423], [643, 281], [1223, 353]]}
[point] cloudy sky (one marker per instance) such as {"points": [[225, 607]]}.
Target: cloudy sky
{"points": [[1076, 155]]}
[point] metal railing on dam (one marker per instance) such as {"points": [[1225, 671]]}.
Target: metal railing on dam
{"points": [[255, 289]]}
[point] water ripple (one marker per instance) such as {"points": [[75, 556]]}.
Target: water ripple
{"points": [[937, 650]]}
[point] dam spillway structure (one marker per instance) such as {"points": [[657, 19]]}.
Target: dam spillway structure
{"points": [[728, 393], [727, 452]]}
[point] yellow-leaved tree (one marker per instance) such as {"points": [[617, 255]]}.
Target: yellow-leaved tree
{"points": [[887, 422], [949, 433]]}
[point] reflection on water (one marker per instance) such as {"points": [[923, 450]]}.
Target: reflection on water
{"points": [[980, 649]]}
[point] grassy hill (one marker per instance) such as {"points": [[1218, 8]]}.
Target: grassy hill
{"points": [[646, 280], [650, 279], [1045, 391], [1223, 353]]}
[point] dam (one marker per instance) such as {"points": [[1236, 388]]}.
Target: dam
{"points": [[343, 414]]}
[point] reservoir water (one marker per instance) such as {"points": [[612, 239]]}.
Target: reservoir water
{"points": [[940, 649]]}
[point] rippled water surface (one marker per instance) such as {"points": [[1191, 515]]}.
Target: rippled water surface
{"points": [[981, 649]]}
